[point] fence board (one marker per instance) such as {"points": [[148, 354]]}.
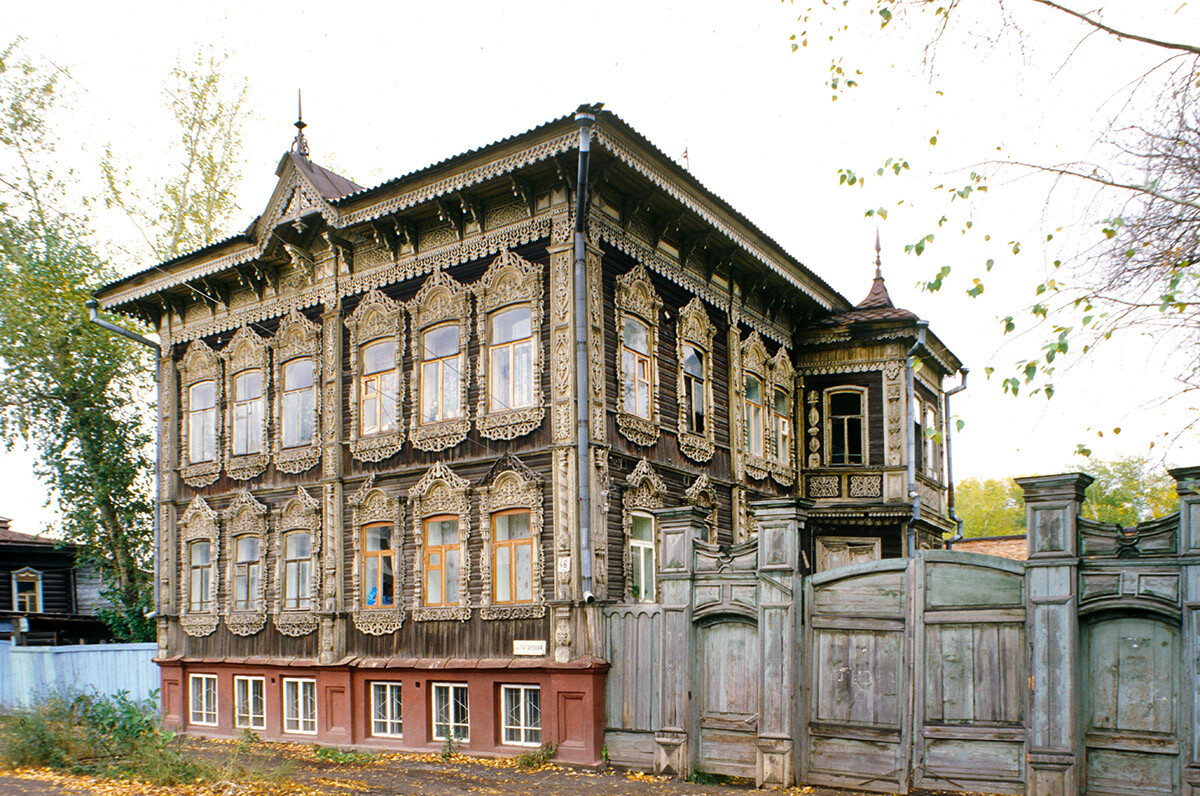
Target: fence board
{"points": [[28, 674]]}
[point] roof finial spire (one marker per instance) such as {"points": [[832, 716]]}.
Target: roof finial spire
{"points": [[878, 264], [300, 145]]}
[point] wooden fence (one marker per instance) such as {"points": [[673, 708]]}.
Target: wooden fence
{"points": [[28, 674]]}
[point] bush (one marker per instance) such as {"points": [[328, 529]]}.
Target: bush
{"points": [[536, 758]]}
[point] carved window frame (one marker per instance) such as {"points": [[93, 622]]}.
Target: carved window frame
{"points": [[511, 485], [198, 523], [644, 492], [637, 298], [694, 328], [440, 491], [828, 424], [783, 377], [27, 575], [376, 318], [245, 516], [199, 363], [297, 338], [702, 495], [441, 300], [510, 280], [372, 506], [754, 361], [301, 513], [247, 351]]}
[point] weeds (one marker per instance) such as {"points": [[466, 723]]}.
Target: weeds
{"points": [[332, 754], [704, 778], [448, 750], [536, 758]]}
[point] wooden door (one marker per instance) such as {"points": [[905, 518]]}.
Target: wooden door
{"points": [[728, 684]]}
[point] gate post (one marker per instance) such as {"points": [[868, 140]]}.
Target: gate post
{"points": [[1052, 615], [1187, 484], [677, 528], [780, 524]]}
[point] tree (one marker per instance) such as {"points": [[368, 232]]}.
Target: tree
{"points": [[1127, 491], [991, 507]]}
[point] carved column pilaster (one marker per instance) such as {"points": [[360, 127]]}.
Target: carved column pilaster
{"points": [[597, 424], [563, 486], [332, 631], [1187, 485], [737, 424]]}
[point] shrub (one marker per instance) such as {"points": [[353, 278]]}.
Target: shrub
{"points": [[536, 758]]}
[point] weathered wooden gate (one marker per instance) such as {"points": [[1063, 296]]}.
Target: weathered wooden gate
{"points": [[727, 697]]}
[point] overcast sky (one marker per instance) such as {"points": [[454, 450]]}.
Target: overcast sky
{"points": [[392, 87]]}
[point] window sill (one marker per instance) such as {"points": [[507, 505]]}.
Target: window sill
{"points": [[511, 423], [378, 621], [376, 447], [431, 437], [298, 459], [638, 430], [696, 447], [243, 468], [442, 613], [245, 623], [200, 474], [295, 623]]}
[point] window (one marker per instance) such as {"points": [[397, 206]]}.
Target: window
{"points": [[636, 368], [298, 403], [694, 391], [929, 441], [27, 591], [204, 699], [641, 555], [200, 576], [846, 428], [450, 716], [297, 571], [522, 715], [248, 708], [440, 376], [387, 710], [441, 561], [247, 569], [512, 567], [510, 359], [694, 334], [379, 385], [247, 412], [379, 566], [300, 706], [754, 415], [202, 422], [782, 423]]}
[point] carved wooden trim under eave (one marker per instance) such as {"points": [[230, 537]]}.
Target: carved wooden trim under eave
{"points": [[440, 491], [297, 337], [376, 317], [198, 522], [644, 491], [511, 485], [636, 296], [247, 351], [245, 517], [301, 513], [441, 299], [372, 505], [509, 280], [199, 363], [694, 327]]}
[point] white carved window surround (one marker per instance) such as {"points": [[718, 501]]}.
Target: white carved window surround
{"points": [[299, 518], [27, 591], [247, 376], [198, 615], [375, 325], [511, 521], [441, 326], [638, 306], [846, 424], [768, 452], [200, 386], [373, 510], [297, 442], [245, 608], [694, 344], [644, 491], [440, 495], [509, 325]]}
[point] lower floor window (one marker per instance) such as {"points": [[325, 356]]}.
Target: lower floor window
{"points": [[204, 699], [522, 714], [450, 718], [300, 706], [248, 710], [386, 710]]}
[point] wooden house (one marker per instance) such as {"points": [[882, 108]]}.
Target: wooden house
{"points": [[415, 438]]}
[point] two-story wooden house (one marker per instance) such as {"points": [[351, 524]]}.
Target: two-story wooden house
{"points": [[413, 437]]}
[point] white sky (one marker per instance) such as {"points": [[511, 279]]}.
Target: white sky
{"points": [[392, 87]]}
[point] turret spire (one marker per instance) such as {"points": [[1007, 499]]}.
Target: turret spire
{"points": [[878, 264], [300, 145]]}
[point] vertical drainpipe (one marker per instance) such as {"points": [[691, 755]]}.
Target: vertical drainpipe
{"points": [[913, 494], [958, 523], [585, 117]]}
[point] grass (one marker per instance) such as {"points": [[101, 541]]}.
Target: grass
{"points": [[536, 758], [704, 778], [332, 754]]}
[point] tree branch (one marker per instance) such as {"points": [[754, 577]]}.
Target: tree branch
{"points": [[1098, 25], [1065, 172]]}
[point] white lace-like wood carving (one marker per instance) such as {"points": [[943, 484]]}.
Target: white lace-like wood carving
{"points": [[371, 506], [198, 523], [702, 494], [301, 513], [245, 517], [247, 351], [297, 337], [199, 363], [511, 485], [441, 299], [376, 317], [510, 280], [644, 490], [636, 296], [783, 377], [440, 491], [754, 361], [694, 328]]}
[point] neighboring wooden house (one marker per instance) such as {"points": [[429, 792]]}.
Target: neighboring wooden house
{"points": [[411, 446], [1014, 546], [45, 596]]}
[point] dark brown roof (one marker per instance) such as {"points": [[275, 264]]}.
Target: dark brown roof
{"points": [[9, 535], [877, 306], [332, 186]]}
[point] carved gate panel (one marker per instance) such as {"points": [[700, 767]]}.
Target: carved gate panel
{"points": [[728, 697]]}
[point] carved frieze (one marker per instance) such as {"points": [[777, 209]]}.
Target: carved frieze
{"points": [[511, 485], [301, 513], [199, 364], [245, 517], [440, 492], [198, 523], [376, 318], [296, 339], [442, 300]]}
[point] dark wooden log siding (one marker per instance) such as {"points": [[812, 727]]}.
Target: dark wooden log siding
{"points": [[56, 568], [873, 381]]}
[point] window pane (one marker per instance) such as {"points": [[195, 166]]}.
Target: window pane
{"points": [[433, 585], [429, 392], [854, 440], [370, 583], [298, 374], [452, 575], [753, 390], [781, 402], [441, 341], [450, 391], [298, 545], [500, 379], [388, 586], [247, 385], [304, 584], [522, 374], [637, 336], [628, 368], [200, 554], [524, 572], [378, 357], [387, 400], [247, 548], [509, 325], [698, 407], [379, 537], [203, 395], [845, 403], [503, 574], [643, 528], [693, 363]]}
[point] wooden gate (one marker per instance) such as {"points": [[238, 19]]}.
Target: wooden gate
{"points": [[727, 679]]}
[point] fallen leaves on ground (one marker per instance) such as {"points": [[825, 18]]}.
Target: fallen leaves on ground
{"points": [[120, 787]]}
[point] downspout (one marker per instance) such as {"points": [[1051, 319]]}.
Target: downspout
{"points": [[958, 523], [585, 117], [913, 494], [92, 307]]}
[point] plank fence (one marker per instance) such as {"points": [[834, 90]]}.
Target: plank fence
{"points": [[29, 674]]}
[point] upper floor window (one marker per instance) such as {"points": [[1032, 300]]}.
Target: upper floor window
{"points": [[694, 334], [297, 571], [298, 402], [379, 567], [376, 342], [440, 376], [847, 428], [782, 425], [200, 575], [929, 442], [202, 422], [442, 550], [642, 557], [510, 360], [636, 368], [248, 403], [638, 307], [512, 566], [247, 573], [27, 591], [695, 401], [379, 385], [754, 415]]}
